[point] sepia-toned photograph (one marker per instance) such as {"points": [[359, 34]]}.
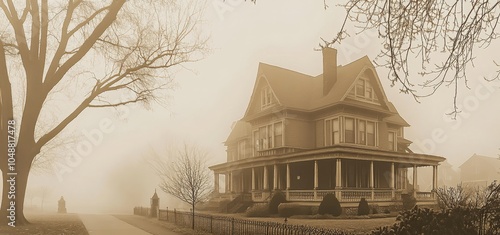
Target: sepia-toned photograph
{"points": [[250, 117]]}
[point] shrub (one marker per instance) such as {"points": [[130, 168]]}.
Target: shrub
{"points": [[375, 208], [277, 198], [363, 208], [258, 210], [330, 205], [409, 201], [289, 209], [426, 221], [484, 202]]}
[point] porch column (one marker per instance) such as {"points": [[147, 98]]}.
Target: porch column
{"points": [[287, 181], [315, 179], [315, 174], [266, 185], [372, 180], [275, 178], [434, 180], [371, 175], [338, 184], [226, 183], [216, 183], [405, 178], [415, 180], [253, 178], [392, 179], [231, 188], [287, 176]]}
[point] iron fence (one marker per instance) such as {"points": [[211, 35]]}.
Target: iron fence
{"points": [[139, 210], [224, 225]]}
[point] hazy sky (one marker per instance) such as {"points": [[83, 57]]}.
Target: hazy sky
{"points": [[215, 94]]}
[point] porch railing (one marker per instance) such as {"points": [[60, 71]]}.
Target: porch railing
{"points": [[382, 195], [276, 151], [344, 195], [301, 195], [424, 196], [355, 195]]}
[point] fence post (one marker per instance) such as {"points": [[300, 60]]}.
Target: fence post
{"points": [[175, 217], [211, 222], [167, 213], [232, 226]]}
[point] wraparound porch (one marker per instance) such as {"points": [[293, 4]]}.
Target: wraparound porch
{"points": [[308, 181]]}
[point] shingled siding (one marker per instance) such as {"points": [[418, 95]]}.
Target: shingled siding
{"points": [[299, 134], [383, 141], [320, 133]]}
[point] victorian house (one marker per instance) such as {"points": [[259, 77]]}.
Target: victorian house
{"points": [[312, 135]]}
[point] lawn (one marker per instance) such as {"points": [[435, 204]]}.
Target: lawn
{"points": [[48, 224], [356, 226]]}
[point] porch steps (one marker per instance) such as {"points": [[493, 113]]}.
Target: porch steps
{"points": [[239, 204], [240, 207]]}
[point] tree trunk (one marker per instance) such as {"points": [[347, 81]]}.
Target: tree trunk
{"points": [[14, 191], [192, 216]]}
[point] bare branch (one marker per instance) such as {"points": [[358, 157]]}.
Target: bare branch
{"points": [[427, 29]]}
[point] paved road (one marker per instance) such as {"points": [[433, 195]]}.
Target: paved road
{"points": [[108, 224]]}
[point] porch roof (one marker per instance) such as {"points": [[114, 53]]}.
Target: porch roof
{"points": [[332, 152]]}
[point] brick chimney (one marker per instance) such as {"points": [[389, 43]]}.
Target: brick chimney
{"points": [[329, 69]]}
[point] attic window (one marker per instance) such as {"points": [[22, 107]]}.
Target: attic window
{"points": [[266, 97], [364, 90]]}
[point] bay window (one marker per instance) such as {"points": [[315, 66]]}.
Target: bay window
{"points": [[350, 130], [268, 136]]}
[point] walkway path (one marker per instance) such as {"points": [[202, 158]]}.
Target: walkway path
{"points": [[108, 224], [153, 225]]}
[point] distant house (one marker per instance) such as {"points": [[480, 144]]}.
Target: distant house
{"points": [[312, 135], [480, 170], [447, 177]]}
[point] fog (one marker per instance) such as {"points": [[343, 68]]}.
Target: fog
{"points": [[113, 176]]}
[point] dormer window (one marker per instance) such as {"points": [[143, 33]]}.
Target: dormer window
{"points": [[266, 97]]}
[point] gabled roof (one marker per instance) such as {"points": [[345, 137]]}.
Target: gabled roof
{"points": [[483, 160], [303, 92], [241, 129]]}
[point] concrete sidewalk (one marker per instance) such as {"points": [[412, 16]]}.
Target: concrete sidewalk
{"points": [[108, 224]]}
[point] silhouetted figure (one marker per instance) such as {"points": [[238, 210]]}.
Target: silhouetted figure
{"points": [[61, 208]]}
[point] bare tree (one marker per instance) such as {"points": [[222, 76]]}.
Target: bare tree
{"points": [[185, 175], [451, 197], [98, 53], [423, 31]]}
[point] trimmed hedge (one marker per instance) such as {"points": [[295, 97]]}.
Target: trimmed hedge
{"points": [[330, 205], [277, 198], [363, 208], [290, 209], [258, 210], [409, 201]]}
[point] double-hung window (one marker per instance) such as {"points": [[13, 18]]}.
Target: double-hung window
{"points": [[268, 136]]}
